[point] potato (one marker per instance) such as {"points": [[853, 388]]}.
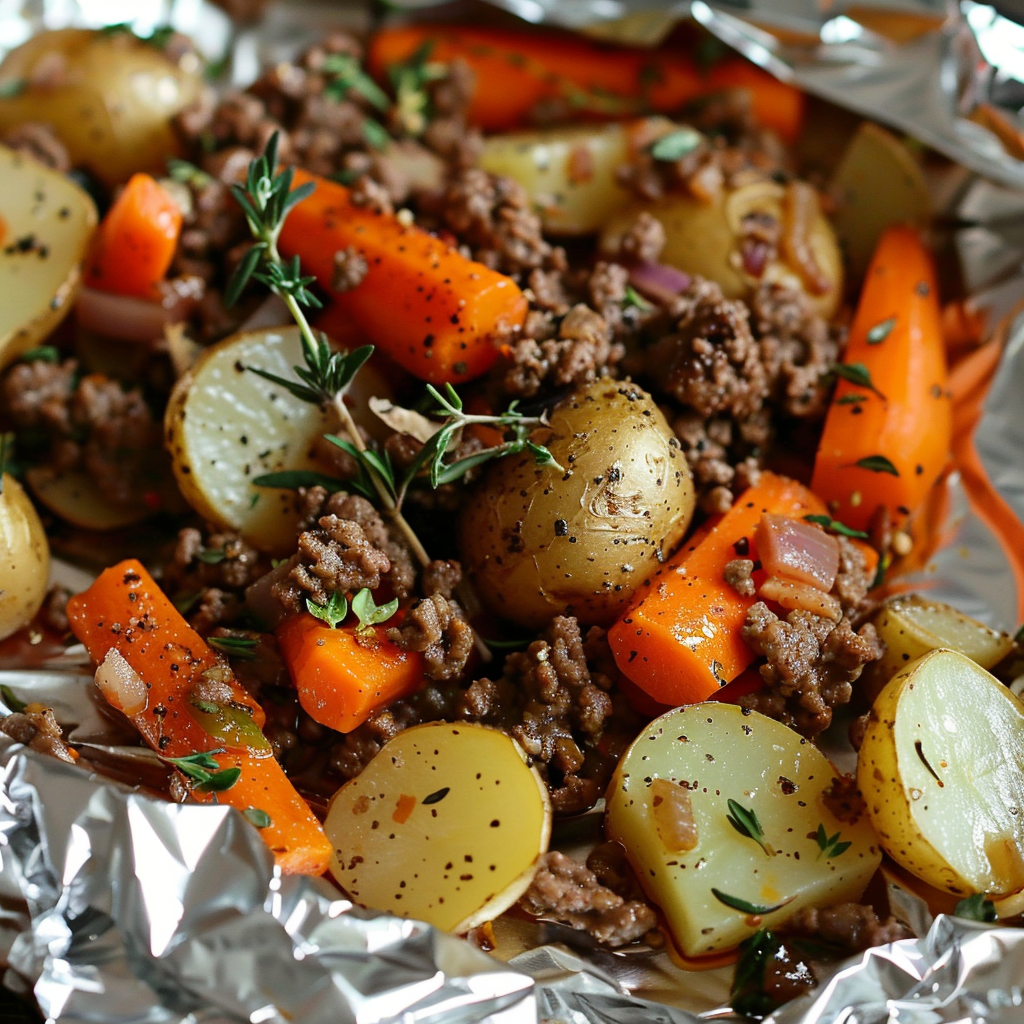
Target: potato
{"points": [[539, 541], [74, 496], [911, 625], [569, 172], [24, 558], [942, 770], [446, 824], [670, 803], [46, 222], [109, 95], [225, 425], [702, 238]]}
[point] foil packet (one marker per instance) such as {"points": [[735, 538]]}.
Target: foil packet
{"points": [[118, 906]]}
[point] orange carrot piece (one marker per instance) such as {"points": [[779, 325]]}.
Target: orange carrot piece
{"points": [[434, 312], [886, 444], [125, 610], [680, 638], [135, 241], [518, 69], [341, 677]]}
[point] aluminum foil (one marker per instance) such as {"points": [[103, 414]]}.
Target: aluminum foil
{"points": [[117, 906]]}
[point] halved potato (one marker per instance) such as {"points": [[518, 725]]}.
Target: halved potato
{"points": [[911, 625], [446, 824], [46, 222], [226, 425], [942, 770], [670, 803], [569, 172], [24, 558]]}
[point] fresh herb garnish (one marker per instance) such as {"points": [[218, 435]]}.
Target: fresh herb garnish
{"points": [[745, 907], [370, 614], [745, 822], [292, 479], [675, 145], [12, 87], [16, 704], [634, 300], [976, 908], [881, 331], [158, 38], [851, 400], [410, 79], [830, 846], [346, 75], [856, 373], [834, 526], [242, 647], [258, 817], [205, 770], [333, 612], [877, 464], [188, 174], [211, 556], [375, 134], [882, 568], [748, 995], [41, 354]]}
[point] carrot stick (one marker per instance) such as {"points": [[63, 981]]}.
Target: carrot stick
{"points": [[186, 710], [517, 70], [342, 677], [887, 433], [434, 312], [680, 638], [135, 241]]}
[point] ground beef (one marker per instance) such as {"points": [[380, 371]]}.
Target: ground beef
{"points": [[851, 927], [54, 613], [643, 241], [853, 582], [220, 559], [569, 892], [580, 353], [441, 576], [435, 627], [811, 665], [40, 142], [37, 728], [739, 576]]}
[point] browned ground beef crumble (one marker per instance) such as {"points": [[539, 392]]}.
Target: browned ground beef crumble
{"points": [[738, 382]]}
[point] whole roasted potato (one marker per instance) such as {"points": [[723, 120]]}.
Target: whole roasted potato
{"points": [[24, 558], [539, 541], [721, 239], [109, 95]]}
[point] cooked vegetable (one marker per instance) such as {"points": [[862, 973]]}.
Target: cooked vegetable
{"points": [[193, 706], [518, 71], [24, 558], [539, 541], [226, 425], [911, 625], [797, 550], [341, 675], [75, 496], [110, 96], [680, 639], [941, 769], [708, 238], [723, 816], [570, 172], [446, 825], [46, 222], [888, 429], [878, 183], [135, 242], [431, 310]]}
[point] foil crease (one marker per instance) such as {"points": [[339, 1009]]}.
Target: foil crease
{"points": [[117, 906]]}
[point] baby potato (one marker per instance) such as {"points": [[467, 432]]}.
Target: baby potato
{"points": [[110, 96], [704, 239], [542, 541], [942, 770], [24, 558]]}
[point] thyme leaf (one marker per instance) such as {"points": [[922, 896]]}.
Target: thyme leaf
{"points": [[746, 822], [881, 331], [745, 907], [205, 771], [333, 612], [877, 464], [856, 373], [834, 526], [830, 846], [242, 647], [258, 817], [370, 614], [676, 144], [976, 908]]}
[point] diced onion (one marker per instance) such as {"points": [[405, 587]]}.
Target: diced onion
{"points": [[802, 597], [673, 815], [128, 318], [121, 684], [797, 550], [658, 280]]}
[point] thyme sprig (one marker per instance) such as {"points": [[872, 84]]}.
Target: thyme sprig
{"points": [[830, 846], [746, 822], [205, 771]]}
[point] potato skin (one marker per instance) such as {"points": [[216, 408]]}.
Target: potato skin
{"points": [[111, 99], [538, 542], [24, 558]]}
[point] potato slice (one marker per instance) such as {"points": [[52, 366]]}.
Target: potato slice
{"points": [[879, 183], [942, 769], [226, 425], [911, 625], [569, 172], [46, 222], [24, 558], [669, 804], [446, 824]]}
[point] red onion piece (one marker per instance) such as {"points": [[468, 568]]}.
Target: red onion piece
{"points": [[128, 318], [797, 550], [121, 684], [659, 281], [804, 597]]}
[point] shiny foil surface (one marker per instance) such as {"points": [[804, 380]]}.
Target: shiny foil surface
{"points": [[117, 906]]}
